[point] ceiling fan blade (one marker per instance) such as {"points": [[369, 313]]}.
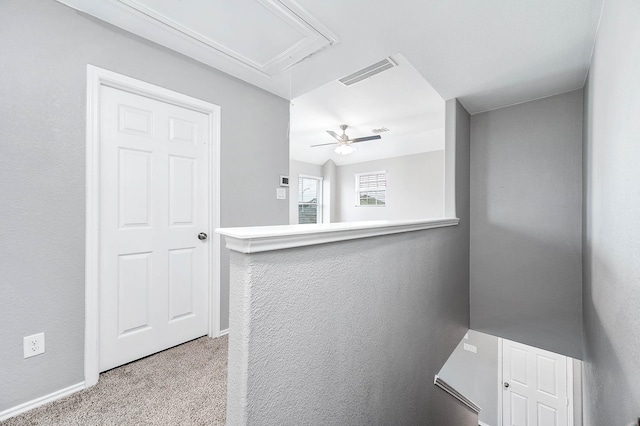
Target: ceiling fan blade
{"points": [[366, 138], [335, 135], [323, 144]]}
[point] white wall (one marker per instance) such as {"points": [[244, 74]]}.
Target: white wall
{"points": [[612, 220], [297, 168], [475, 375], [415, 188], [353, 332], [526, 223], [45, 48], [329, 192]]}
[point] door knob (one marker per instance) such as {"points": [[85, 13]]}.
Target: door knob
{"points": [[506, 385], [202, 236]]}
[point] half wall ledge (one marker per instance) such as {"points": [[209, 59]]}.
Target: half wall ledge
{"points": [[256, 239]]}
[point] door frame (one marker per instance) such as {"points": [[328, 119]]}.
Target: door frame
{"points": [[96, 78], [571, 402]]}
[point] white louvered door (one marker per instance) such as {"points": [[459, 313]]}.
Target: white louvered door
{"points": [[154, 202]]}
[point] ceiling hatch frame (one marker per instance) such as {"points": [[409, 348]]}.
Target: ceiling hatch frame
{"points": [[137, 17]]}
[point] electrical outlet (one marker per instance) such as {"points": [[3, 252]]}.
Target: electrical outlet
{"points": [[33, 345]]}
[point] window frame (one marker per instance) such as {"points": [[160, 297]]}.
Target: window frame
{"points": [[319, 202], [358, 190]]}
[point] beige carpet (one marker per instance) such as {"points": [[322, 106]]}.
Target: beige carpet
{"points": [[185, 385]]}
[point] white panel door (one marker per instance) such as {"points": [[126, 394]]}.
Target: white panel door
{"points": [[154, 202], [535, 386]]}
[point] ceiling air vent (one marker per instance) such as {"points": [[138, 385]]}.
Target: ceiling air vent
{"points": [[380, 130], [367, 72]]}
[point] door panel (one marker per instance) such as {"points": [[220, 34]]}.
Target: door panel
{"points": [[547, 415], [535, 386], [154, 201], [182, 131], [133, 292], [547, 374], [135, 121], [181, 190], [519, 409], [134, 190], [519, 370], [181, 283]]}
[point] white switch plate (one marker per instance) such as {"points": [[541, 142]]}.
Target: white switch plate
{"points": [[33, 345], [281, 193], [470, 348]]}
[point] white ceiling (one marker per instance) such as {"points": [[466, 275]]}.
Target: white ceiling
{"points": [[487, 53], [399, 99], [255, 40]]}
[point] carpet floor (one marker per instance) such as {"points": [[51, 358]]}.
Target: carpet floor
{"points": [[184, 385]]}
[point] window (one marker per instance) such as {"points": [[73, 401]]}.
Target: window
{"points": [[309, 199], [371, 189]]}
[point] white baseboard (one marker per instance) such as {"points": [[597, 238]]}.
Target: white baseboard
{"points": [[223, 332], [482, 423], [34, 403]]}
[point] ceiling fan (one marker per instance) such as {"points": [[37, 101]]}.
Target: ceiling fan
{"points": [[344, 142]]}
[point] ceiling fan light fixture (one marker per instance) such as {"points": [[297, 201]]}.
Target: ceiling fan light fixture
{"points": [[344, 149]]}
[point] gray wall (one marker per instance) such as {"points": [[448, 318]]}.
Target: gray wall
{"points": [[415, 188], [296, 168], [45, 48], [526, 186], [475, 375], [353, 332], [612, 220]]}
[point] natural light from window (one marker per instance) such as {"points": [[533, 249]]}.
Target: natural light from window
{"points": [[371, 189], [309, 199]]}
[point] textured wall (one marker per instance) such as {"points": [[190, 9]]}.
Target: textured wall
{"points": [[45, 48], [475, 375], [352, 332], [526, 223], [612, 220], [415, 188]]}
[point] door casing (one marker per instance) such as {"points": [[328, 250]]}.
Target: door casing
{"points": [[96, 78]]}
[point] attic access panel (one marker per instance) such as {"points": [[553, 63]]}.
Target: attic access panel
{"points": [[266, 36]]}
